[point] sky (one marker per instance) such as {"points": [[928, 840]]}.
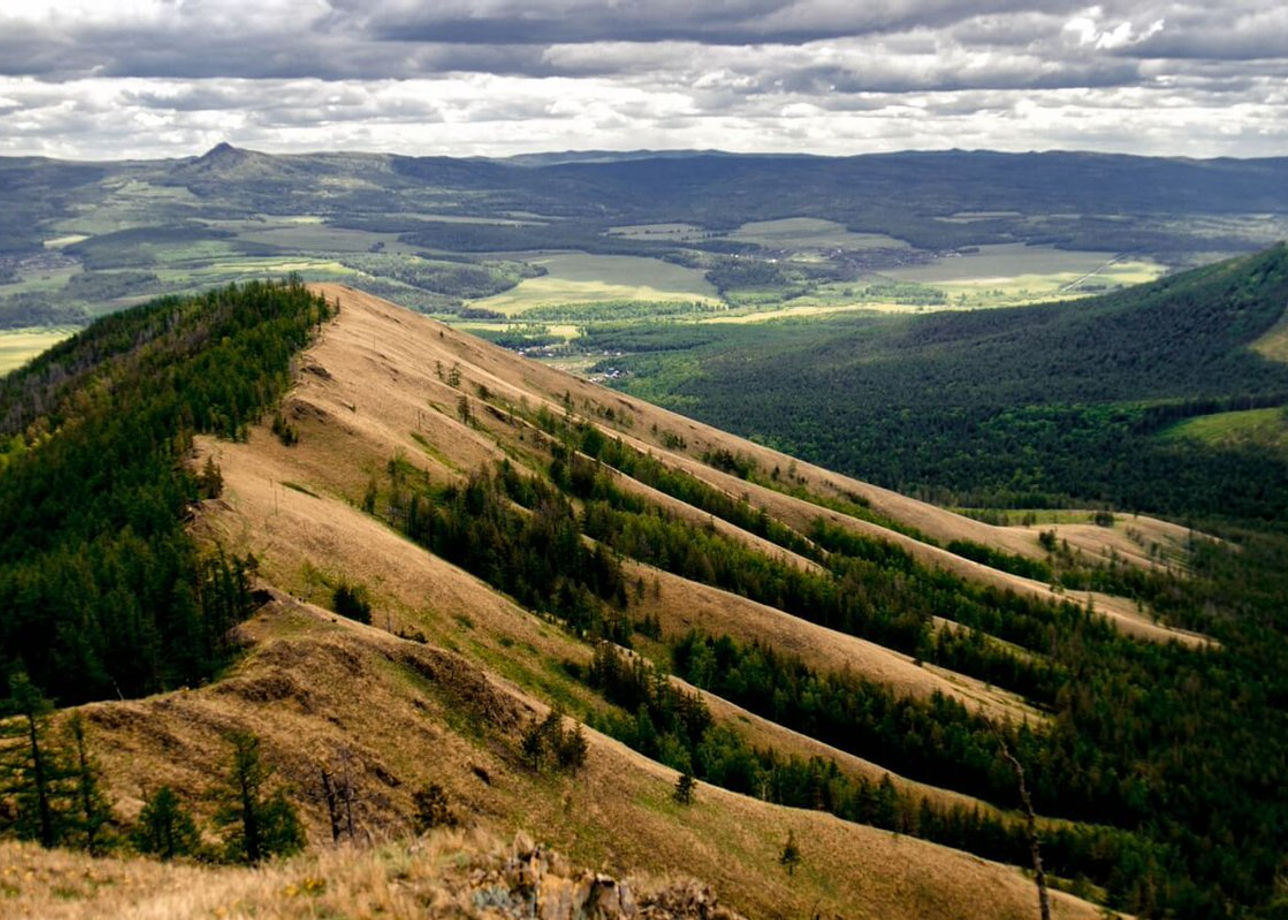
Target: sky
{"points": [[108, 79]]}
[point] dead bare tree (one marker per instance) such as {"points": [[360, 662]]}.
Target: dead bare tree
{"points": [[1031, 829], [332, 805]]}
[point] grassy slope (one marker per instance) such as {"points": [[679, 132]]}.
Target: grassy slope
{"points": [[311, 683], [1267, 427], [360, 397], [412, 345]]}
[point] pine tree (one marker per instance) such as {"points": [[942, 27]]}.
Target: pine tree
{"points": [[790, 856], [165, 829], [533, 747], [256, 826], [210, 481], [684, 787], [573, 748], [93, 810], [33, 771]]}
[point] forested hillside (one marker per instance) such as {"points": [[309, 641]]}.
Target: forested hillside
{"points": [[1048, 406], [102, 592]]}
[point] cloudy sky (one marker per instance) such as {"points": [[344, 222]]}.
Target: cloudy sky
{"points": [[167, 78]]}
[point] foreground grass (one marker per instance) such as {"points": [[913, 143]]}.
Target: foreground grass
{"points": [[449, 873]]}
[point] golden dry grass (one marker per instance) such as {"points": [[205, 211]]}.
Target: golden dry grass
{"points": [[300, 539], [401, 881], [18, 346], [390, 392], [1273, 344]]}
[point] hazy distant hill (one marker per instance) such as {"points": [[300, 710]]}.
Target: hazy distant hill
{"points": [[1067, 198]]}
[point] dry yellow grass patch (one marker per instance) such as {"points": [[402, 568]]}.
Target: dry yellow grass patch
{"points": [[291, 532], [407, 879], [414, 879], [1273, 344]]}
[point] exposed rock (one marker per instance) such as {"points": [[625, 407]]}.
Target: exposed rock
{"points": [[532, 883]]}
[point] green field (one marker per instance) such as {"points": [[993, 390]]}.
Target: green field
{"points": [[1012, 273], [674, 233], [42, 280], [802, 233], [580, 278], [1265, 427], [317, 237], [1008, 261], [18, 346]]}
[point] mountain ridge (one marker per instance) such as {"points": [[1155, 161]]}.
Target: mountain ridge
{"points": [[524, 539]]}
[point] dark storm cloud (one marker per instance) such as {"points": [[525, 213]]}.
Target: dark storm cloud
{"points": [[344, 39], [573, 21]]}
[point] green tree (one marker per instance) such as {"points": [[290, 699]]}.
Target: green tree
{"points": [[352, 601], [93, 811], [32, 770], [165, 828], [572, 749], [210, 481], [790, 855], [256, 825], [684, 787], [533, 748]]}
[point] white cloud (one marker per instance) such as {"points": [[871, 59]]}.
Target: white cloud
{"points": [[167, 77]]}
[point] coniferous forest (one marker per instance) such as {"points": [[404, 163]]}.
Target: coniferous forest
{"points": [[102, 592], [1052, 406]]}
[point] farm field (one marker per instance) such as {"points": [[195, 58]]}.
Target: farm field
{"points": [[682, 233], [18, 346], [216, 271], [41, 278], [1266, 427], [1012, 272], [806, 310], [317, 237], [804, 233], [582, 278]]}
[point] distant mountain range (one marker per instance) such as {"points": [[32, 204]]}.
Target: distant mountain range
{"points": [[1064, 198]]}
